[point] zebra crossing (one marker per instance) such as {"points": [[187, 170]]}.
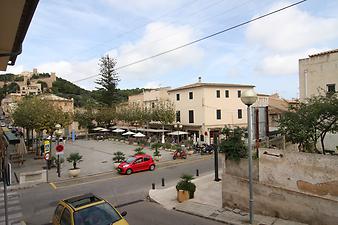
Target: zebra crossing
{"points": [[15, 216]]}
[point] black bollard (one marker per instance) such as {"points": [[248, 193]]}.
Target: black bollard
{"points": [[162, 182], [197, 173], [153, 186]]}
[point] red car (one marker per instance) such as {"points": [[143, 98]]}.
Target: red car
{"points": [[136, 163]]}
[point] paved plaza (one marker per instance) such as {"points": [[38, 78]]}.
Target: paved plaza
{"points": [[97, 158]]}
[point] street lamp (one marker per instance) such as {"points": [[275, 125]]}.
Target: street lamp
{"points": [[58, 133], [178, 126], [249, 97]]}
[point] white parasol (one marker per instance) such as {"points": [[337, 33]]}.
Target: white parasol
{"points": [[176, 133], [128, 133], [118, 130], [98, 128], [104, 130], [138, 135]]}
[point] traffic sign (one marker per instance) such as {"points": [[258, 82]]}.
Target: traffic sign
{"points": [[47, 146], [59, 148], [47, 156]]}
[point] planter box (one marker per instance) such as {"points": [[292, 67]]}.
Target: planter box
{"points": [[182, 196], [74, 172]]}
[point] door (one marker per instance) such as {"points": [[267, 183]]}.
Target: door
{"points": [[57, 215], [138, 164], [66, 218]]}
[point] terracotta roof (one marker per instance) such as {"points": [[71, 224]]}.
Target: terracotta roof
{"points": [[324, 53], [200, 84]]}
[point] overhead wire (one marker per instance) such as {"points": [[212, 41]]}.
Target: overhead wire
{"points": [[200, 39]]}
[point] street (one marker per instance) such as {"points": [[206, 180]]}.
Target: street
{"points": [[126, 192]]}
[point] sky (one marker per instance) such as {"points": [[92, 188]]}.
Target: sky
{"points": [[69, 37]]}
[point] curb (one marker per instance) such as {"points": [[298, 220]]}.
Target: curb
{"points": [[206, 217]]}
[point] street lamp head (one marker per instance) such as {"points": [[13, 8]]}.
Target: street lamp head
{"points": [[57, 126], [249, 97]]}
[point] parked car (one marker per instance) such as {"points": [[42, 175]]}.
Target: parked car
{"points": [[87, 209], [136, 163]]}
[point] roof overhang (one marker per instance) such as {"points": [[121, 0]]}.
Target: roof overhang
{"points": [[15, 18]]}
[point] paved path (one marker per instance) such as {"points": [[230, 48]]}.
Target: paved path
{"points": [[14, 208]]}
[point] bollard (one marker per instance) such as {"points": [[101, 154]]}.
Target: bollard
{"points": [[153, 186], [197, 173], [162, 182]]}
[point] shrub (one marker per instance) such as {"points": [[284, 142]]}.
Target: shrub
{"points": [[118, 157], [74, 158], [167, 145], [139, 151], [233, 146], [156, 152], [186, 184]]}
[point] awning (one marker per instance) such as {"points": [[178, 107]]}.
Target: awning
{"points": [[176, 133]]}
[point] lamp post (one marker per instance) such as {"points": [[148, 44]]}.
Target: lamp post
{"points": [[178, 126], [58, 133], [249, 97]]}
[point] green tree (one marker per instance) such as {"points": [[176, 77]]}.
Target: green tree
{"points": [[233, 145], [311, 121], [108, 80], [105, 116]]}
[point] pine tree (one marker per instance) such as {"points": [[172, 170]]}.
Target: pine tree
{"points": [[108, 80]]}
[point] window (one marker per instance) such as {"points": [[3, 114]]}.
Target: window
{"points": [[177, 97], [146, 159], [152, 105], [218, 93], [178, 116], [218, 114], [239, 114], [191, 116], [58, 212], [138, 161], [65, 218], [239, 93], [331, 88], [227, 93], [191, 95]]}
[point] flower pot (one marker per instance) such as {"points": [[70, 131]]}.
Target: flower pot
{"points": [[157, 158], [182, 195], [74, 172], [116, 164]]}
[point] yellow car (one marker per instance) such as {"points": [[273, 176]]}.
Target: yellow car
{"points": [[87, 209]]}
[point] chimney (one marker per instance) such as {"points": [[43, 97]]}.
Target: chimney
{"points": [[199, 79]]}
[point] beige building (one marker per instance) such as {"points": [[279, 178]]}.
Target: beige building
{"points": [[150, 98], [203, 108], [318, 72]]}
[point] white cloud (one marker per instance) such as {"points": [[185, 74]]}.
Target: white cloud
{"points": [[292, 29], [158, 37], [137, 6], [13, 69], [73, 71], [152, 84], [283, 64]]}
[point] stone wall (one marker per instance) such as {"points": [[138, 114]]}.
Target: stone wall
{"points": [[279, 202], [241, 168], [310, 173]]}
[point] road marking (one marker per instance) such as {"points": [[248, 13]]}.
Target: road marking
{"points": [[54, 185]]}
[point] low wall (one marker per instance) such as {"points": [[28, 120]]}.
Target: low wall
{"points": [[241, 168], [275, 201], [33, 177], [315, 174]]}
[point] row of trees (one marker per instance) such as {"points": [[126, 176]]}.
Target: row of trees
{"points": [[310, 121], [33, 113], [137, 115]]}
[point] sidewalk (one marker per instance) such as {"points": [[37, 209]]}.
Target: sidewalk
{"points": [[208, 204]]}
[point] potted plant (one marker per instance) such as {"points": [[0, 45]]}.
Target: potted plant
{"points": [[118, 158], [139, 151], [157, 154], [74, 158], [185, 188]]}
